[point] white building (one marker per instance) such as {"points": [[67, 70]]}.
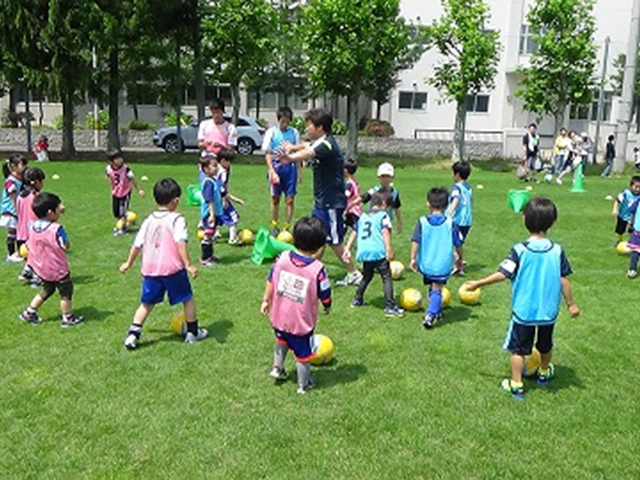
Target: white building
{"points": [[416, 109]]}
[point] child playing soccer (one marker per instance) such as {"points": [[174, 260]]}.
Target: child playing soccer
{"points": [[622, 207], [210, 209], [33, 183], [386, 174], [296, 283], [634, 240], [538, 270], [47, 244], [460, 207], [12, 170], [432, 251], [165, 262], [283, 177], [230, 216], [354, 206], [375, 251], [121, 178]]}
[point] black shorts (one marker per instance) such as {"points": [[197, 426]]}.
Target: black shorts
{"points": [[519, 340], [120, 205], [64, 286], [351, 220], [622, 226]]}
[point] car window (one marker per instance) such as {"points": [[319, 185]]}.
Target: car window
{"points": [[242, 123]]}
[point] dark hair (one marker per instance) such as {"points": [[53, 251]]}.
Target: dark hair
{"points": [[31, 175], [309, 234], [539, 214], [381, 198], [44, 203], [438, 198], [226, 154], [462, 168], [216, 104], [320, 117], [563, 128], [533, 124], [165, 190], [284, 112], [351, 166], [11, 162], [113, 153], [634, 179], [611, 138]]}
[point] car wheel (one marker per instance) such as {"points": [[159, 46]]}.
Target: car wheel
{"points": [[171, 144], [245, 146]]}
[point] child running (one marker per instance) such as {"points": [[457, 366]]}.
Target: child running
{"points": [[48, 243], [461, 207], [296, 283], [432, 251], [538, 270], [33, 183], [162, 239], [121, 178], [12, 170], [622, 207], [375, 251]]}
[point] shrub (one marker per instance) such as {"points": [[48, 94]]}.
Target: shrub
{"points": [[141, 125], [170, 119], [300, 125], [102, 123], [263, 122], [379, 128], [339, 127]]}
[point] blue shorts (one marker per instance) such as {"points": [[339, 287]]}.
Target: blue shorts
{"points": [[288, 181], [519, 339], [429, 279], [229, 216], [302, 345], [176, 285], [464, 231], [333, 222]]}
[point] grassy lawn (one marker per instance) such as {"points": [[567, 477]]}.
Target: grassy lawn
{"points": [[397, 402]]}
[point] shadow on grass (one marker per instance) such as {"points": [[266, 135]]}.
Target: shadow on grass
{"points": [[82, 279], [234, 258], [347, 373], [454, 315], [91, 314], [220, 330], [565, 377]]}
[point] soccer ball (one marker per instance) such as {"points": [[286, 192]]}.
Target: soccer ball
{"points": [[246, 236], [446, 297], [411, 300], [24, 251], [178, 324], [531, 363], [285, 236], [623, 249], [200, 234], [132, 217], [120, 225], [322, 349], [469, 297], [548, 178], [397, 269]]}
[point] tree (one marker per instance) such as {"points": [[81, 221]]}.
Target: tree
{"points": [[342, 40], [619, 64], [471, 54], [562, 70], [239, 35]]}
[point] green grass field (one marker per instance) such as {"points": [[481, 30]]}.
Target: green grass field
{"points": [[397, 402]]}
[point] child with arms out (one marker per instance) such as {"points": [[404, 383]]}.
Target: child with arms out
{"points": [[538, 270], [386, 174], [296, 283], [162, 239]]}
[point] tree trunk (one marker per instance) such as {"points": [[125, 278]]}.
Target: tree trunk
{"points": [[40, 111], [136, 114], [558, 120], [459, 131], [235, 98], [179, 94], [113, 135], [258, 103], [13, 118], [352, 138], [198, 75], [378, 110], [68, 148]]}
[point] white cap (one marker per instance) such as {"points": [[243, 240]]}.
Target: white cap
{"points": [[385, 169]]}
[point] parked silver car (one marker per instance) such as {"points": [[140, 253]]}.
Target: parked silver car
{"points": [[250, 135]]}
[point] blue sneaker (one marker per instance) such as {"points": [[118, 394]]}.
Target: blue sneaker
{"points": [[545, 377], [358, 303], [517, 392], [394, 312]]}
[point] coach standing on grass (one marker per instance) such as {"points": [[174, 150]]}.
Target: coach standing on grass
{"points": [[330, 201]]}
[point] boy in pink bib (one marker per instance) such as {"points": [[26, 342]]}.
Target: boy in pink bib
{"points": [[121, 178], [47, 244], [33, 183], [296, 283], [162, 239]]}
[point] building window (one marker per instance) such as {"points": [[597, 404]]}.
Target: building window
{"points": [[579, 112], [210, 92], [478, 103], [275, 100], [606, 108], [527, 44], [412, 101]]}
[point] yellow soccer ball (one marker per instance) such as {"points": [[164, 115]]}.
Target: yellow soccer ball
{"points": [[531, 363], [24, 251], [120, 224], [246, 236], [200, 234], [132, 217], [323, 350], [397, 269], [623, 249], [446, 297], [285, 236], [178, 324], [411, 300], [469, 297]]}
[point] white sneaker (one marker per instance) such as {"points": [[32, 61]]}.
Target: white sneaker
{"points": [[278, 373], [351, 279], [191, 338], [559, 181], [632, 273], [131, 342], [15, 258]]}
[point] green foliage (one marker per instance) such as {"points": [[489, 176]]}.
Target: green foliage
{"points": [[58, 122], [141, 125], [378, 128], [339, 127], [300, 125], [101, 124], [562, 70], [170, 119]]}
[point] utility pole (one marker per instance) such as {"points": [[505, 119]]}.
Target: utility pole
{"points": [[605, 61], [628, 90]]}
